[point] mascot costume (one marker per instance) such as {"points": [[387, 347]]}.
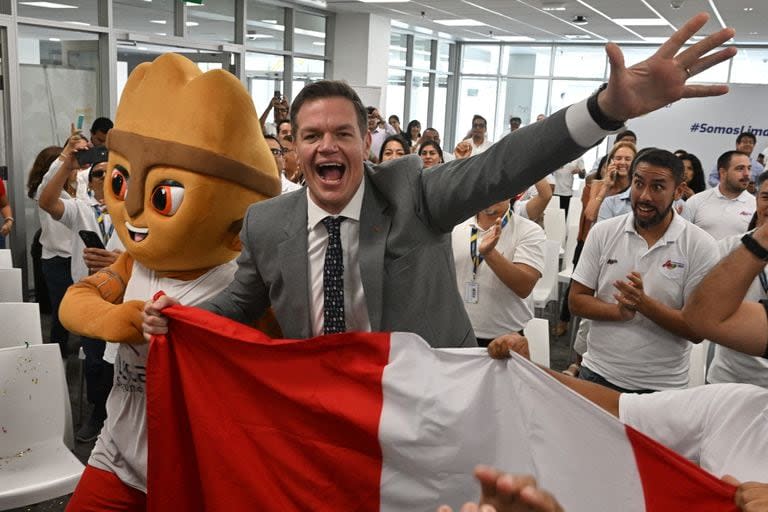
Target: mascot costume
{"points": [[187, 157]]}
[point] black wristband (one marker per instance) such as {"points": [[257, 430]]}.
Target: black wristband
{"points": [[754, 247], [597, 115]]}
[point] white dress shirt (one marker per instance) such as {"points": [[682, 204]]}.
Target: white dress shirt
{"points": [[355, 306]]}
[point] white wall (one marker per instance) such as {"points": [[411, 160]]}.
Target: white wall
{"points": [[717, 122]]}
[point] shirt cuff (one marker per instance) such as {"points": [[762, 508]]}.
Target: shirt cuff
{"points": [[583, 129]]}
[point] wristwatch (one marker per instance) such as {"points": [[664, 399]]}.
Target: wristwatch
{"points": [[598, 116], [754, 247]]}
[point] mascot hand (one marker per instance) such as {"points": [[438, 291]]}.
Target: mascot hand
{"points": [[122, 323]]}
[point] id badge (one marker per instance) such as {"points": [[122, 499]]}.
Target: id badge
{"points": [[471, 292]]}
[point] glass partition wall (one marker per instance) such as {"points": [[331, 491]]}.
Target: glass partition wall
{"points": [[68, 60]]}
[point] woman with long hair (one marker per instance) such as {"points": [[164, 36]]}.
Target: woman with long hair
{"points": [[56, 240], [615, 179], [393, 147], [412, 134], [693, 181]]}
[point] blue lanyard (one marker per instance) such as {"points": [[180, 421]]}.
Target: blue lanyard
{"points": [[99, 214], [477, 259]]}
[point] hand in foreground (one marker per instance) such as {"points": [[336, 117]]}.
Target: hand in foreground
{"points": [[502, 492], [660, 79], [97, 259], [750, 496], [463, 150], [501, 347], [153, 321], [631, 296], [490, 239]]}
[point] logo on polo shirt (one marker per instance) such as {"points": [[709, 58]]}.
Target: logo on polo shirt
{"points": [[669, 265], [745, 213], [611, 262]]}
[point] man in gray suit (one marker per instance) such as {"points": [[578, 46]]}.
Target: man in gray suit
{"points": [[367, 248]]}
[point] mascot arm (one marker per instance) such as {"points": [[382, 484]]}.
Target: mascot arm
{"points": [[94, 306]]}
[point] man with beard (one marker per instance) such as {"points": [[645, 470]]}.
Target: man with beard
{"points": [[633, 277], [726, 209]]}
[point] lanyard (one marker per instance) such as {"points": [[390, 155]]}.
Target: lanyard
{"points": [[764, 281], [477, 259], [99, 214]]}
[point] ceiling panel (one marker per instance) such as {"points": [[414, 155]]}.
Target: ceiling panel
{"points": [[527, 18]]}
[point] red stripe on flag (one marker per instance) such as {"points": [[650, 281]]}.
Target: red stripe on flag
{"points": [[671, 482], [238, 421]]}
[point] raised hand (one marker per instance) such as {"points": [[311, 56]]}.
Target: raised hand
{"points": [[660, 79]]}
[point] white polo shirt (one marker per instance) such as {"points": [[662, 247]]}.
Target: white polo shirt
{"points": [[729, 365], [721, 427], [479, 148], [564, 177], [639, 354], [498, 310], [718, 215]]}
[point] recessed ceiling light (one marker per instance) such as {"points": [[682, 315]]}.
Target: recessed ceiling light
{"points": [[159, 22], [81, 23], [318, 43], [160, 34], [259, 36], [514, 39], [754, 33], [192, 24], [194, 4], [398, 24], [48, 5], [552, 6], [655, 39], [423, 30], [271, 22], [461, 22], [54, 39], [748, 9], [640, 22]]}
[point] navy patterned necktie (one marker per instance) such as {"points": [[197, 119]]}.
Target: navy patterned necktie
{"points": [[333, 279]]}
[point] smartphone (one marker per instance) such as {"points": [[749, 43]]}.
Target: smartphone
{"points": [[80, 121], [94, 155], [278, 94], [91, 239]]}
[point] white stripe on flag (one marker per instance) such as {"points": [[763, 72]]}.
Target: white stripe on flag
{"points": [[508, 414]]}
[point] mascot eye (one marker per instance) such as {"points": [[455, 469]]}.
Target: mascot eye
{"points": [[119, 182], [167, 197]]}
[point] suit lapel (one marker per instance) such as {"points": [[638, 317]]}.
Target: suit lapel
{"points": [[374, 228], [294, 266]]}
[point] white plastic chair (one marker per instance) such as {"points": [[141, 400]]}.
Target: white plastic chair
{"points": [[537, 332], [697, 372], [572, 233], [10, 285], [35, 465], [5, 258], [545, 290], [20, 322], [554, 225]]}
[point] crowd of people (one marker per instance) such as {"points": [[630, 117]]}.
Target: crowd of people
{"points": [[661, 261]]}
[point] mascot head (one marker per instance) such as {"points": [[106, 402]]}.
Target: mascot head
{"points": [[187, 157]]}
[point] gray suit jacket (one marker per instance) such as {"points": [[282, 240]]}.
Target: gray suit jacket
{"points": [[406, 261]]}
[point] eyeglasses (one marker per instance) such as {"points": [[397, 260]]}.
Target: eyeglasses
{"points": [[97, 174], [478, 125], [277, 152]]}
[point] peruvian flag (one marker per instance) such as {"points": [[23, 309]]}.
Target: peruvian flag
{"points": [[370, 421]]}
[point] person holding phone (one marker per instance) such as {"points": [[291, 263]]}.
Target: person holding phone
{"points": [[90, 218]]}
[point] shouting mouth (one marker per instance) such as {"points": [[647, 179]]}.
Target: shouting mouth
{"points": [[331, 172], [136, 234]]}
